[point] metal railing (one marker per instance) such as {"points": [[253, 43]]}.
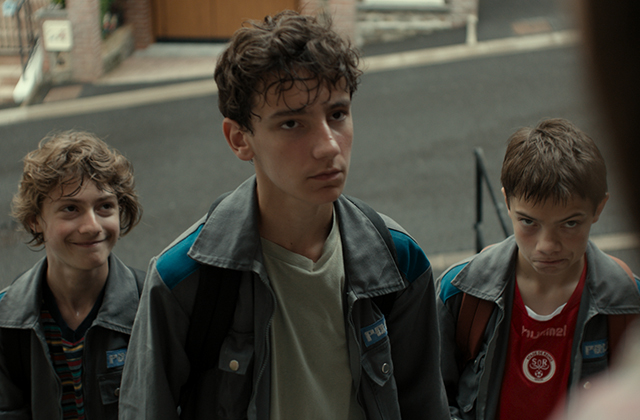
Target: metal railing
{"points": [[482, 178], [18, 32]]}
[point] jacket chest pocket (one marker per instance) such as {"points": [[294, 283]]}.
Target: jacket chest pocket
{"points": [[378, 388], [469, 384], [109, 384], [235, 368]]}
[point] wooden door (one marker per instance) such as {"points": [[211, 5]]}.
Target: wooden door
{"points": [[210, 19]]}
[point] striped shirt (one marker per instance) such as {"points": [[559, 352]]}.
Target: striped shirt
{"points": [[66, 348]]}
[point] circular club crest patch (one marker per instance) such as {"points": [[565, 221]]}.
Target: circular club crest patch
{"points": [[539, 366]]}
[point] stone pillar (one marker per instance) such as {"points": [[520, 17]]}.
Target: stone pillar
{"points": [[137, 13], [87, 39], [460, 11], [343, 13]]}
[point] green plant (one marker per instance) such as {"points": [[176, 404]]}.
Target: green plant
{"points": [[60, 2]]}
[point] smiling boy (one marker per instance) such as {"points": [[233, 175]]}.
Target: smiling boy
{"points": [[325, 325], [65, 323], [553, 292]]}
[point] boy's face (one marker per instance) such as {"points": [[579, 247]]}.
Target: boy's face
{"points": [[301, 150], [552, 238], [79, 231]]}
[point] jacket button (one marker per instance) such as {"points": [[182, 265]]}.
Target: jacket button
{"points": [[385, 368], [234, 365], [117, 392], [587, 385]]}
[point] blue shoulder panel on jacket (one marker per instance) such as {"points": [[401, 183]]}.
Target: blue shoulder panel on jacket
{"points": [[637, 284], [2, 295], [175, 265], [411, 259], [447, 289]]}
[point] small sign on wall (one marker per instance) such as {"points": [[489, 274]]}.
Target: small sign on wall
{"points": [[57, 35]]}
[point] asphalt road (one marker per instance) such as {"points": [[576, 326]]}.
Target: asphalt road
{"points": [[415, 132]]}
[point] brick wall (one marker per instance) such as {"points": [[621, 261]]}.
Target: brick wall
{"points": [[87, 39], [138, 14]]}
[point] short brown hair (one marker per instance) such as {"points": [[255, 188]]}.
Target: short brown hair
{"points": [[74, 156], [276, 53], [553, 160]]}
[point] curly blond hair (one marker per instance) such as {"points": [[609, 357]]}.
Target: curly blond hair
{"points": [[72, 157]]}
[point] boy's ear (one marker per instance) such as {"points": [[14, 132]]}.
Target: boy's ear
{"points": [[36, 225], [506, 200], [600, 207], [237, 139]]}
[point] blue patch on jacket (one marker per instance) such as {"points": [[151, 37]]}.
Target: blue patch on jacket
{"points": [[374, 332], [411, 259], [595, 349], [175, 265], [2, 295], [116, 358], [447, 290]]}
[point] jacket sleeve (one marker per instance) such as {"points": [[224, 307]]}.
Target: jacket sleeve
{"points": [[12, 403], [447, 302], [414, 335], [157, 365]]}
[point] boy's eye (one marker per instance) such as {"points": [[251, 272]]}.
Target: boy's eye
{"points": [[526, 222], [571, 223], [68, 209], [108, 206], [288, 125], [339, 115]]}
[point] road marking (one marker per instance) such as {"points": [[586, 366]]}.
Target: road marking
{"points": [[607, 243], [200, 88]]}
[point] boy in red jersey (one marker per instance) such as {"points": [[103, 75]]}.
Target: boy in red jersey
{"points": [[551, 289]]}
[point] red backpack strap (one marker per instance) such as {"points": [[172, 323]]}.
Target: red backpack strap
{"points": [[623, 265], [618, 323], [472, 321]]}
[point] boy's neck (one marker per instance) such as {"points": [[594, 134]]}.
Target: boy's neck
{"points": [[302, 232], [545, 293], [76, 292]]}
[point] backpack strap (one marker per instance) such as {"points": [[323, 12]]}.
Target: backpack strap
{"points": [[216, 298], [618, 324], [384, 302], [473, 318]]}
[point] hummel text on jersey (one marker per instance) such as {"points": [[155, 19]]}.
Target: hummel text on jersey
{"points": [[549, 332]]}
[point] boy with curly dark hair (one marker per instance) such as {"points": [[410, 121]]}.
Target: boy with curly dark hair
{"points": [[326, 324]]}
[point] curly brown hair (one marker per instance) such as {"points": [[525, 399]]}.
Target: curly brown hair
{"points": [[70, 157], [275, 54], [555, 160]]}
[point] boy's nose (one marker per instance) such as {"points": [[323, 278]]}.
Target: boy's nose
{"points": [[326, 143], [90, 223], [548, 242]]}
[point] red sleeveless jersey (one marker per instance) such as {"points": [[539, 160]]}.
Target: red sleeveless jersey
{"points": [[538, 360]]}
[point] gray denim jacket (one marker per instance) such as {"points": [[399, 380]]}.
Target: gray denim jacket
{"points": [[105, 349], [474, 392], [396, 377]]}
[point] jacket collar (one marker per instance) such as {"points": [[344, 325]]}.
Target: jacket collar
{"points": [[230, 239], [20, 306], [609, 288]]}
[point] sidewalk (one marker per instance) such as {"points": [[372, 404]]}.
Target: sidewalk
{"points": [[10, 71], [167, 63], [147, 78]]}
